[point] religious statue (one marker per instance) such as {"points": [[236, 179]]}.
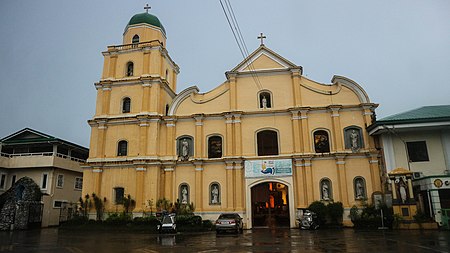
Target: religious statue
{"points": [[184, 150], [264, 102], [130, 70], [359, 189], [325, 193], [215, 195], [403, 191], [184, 197], [354, 138]]}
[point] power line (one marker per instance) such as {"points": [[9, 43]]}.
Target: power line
{"points": [[239, 39]]}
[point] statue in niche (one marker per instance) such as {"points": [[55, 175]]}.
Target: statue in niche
{"points": [[402, 189], [325, 191], [130, 70], [184, 195], [354, 136], [264, 102], [184, 150], [359, 189], [215, 195]]}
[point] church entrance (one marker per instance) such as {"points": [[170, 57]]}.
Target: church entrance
{"points": [[270, 205]]}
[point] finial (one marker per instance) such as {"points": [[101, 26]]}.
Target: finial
{"points": [[261, 37], [147, 7]]}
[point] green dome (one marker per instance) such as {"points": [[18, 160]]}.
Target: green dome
{"points": [[146, 18]]}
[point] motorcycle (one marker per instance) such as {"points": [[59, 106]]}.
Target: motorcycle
{"points": [[309, 221]]}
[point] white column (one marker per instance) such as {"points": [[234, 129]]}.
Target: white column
{"points": [[445, 139], [388, 151]]}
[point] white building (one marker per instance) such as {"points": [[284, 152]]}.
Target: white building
{"points": [[419, 140], [52, 163]]}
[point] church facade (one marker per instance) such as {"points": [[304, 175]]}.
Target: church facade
{"points": [[265, 143]]}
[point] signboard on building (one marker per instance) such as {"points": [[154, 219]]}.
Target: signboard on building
{"points": [[268, 168]]}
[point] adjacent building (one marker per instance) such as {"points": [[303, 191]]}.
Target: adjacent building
{"points": [[419, 141], [53, 164], [265, 143]]}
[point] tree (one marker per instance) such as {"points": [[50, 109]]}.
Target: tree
{"points": [[85, 205], [163, 204], [129, 204], [99, 206]]}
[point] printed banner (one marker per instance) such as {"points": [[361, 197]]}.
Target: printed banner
{"points": [[268, 168]]}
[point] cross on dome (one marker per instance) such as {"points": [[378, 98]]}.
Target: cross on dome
{"points": [[147, 7]]}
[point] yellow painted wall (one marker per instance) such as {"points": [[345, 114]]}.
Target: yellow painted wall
{"points": [[232, 110]]}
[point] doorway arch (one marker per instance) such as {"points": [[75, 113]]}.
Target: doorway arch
{"points": [[271, 202]]}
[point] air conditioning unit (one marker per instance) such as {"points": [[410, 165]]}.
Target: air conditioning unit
{"points": [[417, 175]]}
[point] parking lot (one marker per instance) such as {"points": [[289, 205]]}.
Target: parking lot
{"points": [[257, 240]]}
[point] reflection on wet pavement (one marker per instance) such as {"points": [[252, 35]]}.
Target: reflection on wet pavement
{"points": [[257, 240]]}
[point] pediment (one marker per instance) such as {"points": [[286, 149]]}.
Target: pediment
{"points": [[263, 59]]}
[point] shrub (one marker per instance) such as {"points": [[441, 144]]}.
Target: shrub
{"points": [[370, 217], [118, 219], [77, 220], [144, 221], [421, 217], [335, 211], [321, 210]]}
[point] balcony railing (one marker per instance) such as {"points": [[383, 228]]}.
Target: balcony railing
{"points": [[152, 43], [44, 154]]}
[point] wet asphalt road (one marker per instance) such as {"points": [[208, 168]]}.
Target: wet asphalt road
{"points": [[258, 240]]}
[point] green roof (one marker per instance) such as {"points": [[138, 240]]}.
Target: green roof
{"points": [[422, 114], [146, 18], [30, 136]]}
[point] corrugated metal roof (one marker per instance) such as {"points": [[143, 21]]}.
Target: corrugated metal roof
{"points": [[422, 113]]}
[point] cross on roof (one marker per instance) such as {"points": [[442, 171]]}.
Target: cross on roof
{"points": [[147, 7], [261, 37]]}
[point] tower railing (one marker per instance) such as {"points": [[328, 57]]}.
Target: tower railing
{"points": [[152, 43]]}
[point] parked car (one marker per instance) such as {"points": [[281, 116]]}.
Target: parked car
{"points": [[229, 222], [309, 220], [167, 223]]}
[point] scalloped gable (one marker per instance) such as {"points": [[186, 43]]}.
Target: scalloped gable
{"points": [[263, 59]]}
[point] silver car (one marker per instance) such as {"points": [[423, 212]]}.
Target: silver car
{"points": [[229, 222]]}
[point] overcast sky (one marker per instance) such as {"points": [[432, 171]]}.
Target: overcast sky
{"points": [[50, 53]]}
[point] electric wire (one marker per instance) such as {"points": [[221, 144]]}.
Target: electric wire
{"points": [[239, 39], [238, 29]]}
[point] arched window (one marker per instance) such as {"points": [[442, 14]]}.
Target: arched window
{"points": [[326, 191], [215, 147], [353, 138], [122, 148], [214, 194], [167, 74], [130, 67], [265, 100], [184, 193], [135, 39], [267, 142], [185, 147], [321, 141], [126, 105], [359, 186]]}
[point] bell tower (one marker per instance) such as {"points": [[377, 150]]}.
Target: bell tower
{"points": [[137, 85]]}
